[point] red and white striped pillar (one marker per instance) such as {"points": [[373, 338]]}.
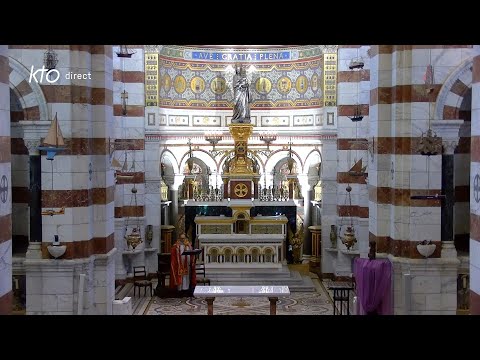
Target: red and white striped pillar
{"points": [[5, 188]]}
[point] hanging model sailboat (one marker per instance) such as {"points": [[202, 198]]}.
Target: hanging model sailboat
{"points": [[125, 52], [358, 169], [52, 144], [357, 114], [124, 173]]}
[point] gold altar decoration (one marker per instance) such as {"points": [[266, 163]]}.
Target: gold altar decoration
{"points": [[296, 240], [241, 164], [241, 190]]}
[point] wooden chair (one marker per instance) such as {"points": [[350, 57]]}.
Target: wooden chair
{"points": [[201, 276], [140, 280], [163, 268]]}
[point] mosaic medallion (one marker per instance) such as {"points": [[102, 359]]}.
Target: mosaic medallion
{"points": [[218, 85], [197, 85], [167, 82], [263, 85], [314, 82], [284, 84], [301, 84], [179, 84]]}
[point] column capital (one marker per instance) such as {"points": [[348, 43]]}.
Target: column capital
{"points": [[448, 130], [307, 182], [449, 146], [32, 146], [32, 132]]}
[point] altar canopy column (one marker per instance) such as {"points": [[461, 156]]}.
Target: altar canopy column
{"points": [[307, 196], [177, 181]]}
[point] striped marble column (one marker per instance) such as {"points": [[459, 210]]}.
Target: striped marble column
{"points": [[475, 190], [400, 109], [82, 182], [353, 85], [5, 188], [380, 128], [128, 77]]}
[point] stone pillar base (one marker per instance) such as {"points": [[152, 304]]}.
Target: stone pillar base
{"points": [[306, 258], [52, 285], [34, 250], [448, 250], [432, 285]]}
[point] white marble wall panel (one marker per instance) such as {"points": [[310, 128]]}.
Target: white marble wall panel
{"points": [[475, 266], [6, 270]]}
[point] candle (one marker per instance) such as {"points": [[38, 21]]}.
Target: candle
{"points": [[464, 282], [16, 283]]}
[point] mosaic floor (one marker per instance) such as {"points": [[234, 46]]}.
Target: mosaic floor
{"points": [[298, 303], [295, 304]]}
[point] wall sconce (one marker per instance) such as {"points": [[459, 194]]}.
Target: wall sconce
{"points": [[124, 97], [213, 138]]}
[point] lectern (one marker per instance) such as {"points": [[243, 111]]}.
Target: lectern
{"points": [[193, 253]]}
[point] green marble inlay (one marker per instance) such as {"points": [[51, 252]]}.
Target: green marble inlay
{"points": [[266, 229], [216, 229]]}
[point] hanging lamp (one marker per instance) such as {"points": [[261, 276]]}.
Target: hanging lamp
{"points": [[348, 239], [430, 144]]}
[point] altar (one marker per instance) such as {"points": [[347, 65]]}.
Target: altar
{"points": [[244, 235], [242, 242]]}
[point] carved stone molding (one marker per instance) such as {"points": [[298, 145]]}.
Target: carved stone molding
{"points": [[448, 130], [152, 48], [329, 49], [32, 146]]}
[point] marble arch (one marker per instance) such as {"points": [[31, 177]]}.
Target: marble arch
{"points": [[29, 94], [453, 91]]}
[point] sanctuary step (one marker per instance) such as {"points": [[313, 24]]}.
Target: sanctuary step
{"points": [[284, 276]]}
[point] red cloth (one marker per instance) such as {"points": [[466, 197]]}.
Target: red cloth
{"points": [[178, 266]]}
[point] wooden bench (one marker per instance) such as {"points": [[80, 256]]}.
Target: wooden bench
{"points": [[211, 292]]}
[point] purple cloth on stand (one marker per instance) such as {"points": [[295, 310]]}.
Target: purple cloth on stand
{"points": [[374, 286]]}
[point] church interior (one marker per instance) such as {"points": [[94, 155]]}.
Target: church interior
{"points": [[239, 180]]}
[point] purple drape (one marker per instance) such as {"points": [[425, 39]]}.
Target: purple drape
{"points": [[373, 278]]}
